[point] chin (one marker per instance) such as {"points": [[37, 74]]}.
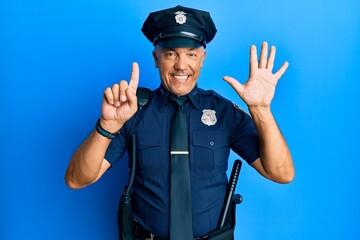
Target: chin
{"points": [[180, 92]]}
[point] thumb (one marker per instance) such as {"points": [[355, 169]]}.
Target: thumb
{"points": [[238, 87]]}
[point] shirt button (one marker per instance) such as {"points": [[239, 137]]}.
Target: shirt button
{"points": [[212, 143]]}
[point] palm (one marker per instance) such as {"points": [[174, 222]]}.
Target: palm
{"points": [[259, 89], [120, 113]]}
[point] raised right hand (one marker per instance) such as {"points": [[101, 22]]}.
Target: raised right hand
{"points": [[119, 102]]}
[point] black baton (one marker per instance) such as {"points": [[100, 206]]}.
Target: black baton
{"points": [[230, 192]]}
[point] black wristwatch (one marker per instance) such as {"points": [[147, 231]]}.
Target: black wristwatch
{"points": [[104, 132]]}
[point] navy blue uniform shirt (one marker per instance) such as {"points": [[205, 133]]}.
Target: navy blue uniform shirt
{"points": [[215, 126]]}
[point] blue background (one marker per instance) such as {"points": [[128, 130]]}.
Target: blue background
{"points": [[58, 56]]}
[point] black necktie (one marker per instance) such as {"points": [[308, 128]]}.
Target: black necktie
{"points": [[180, 190]]}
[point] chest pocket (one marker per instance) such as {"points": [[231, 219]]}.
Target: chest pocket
{"points": [[211, 152], [150, 153]]}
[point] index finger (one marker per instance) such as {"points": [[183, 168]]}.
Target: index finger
{"points": [[282, 70], [134, 79]]}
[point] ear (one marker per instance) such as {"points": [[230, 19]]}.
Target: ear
{"points": [[203, 58], [156, 60]]}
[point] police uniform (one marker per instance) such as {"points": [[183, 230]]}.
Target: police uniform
{"points": [[215, 126]]}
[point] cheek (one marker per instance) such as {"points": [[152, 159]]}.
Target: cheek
{"points": [[163, 72]]}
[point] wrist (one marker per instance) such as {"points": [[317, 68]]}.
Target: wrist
{"points": [[107, 130], [259, 109], [262, 114]]}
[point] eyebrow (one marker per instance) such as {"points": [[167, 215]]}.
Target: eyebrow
{"points": [[174, 49]]}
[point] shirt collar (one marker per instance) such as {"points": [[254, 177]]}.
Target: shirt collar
{"points": [[194, 96]]}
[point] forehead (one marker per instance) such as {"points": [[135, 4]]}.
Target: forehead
{"points": [[180, 50]]}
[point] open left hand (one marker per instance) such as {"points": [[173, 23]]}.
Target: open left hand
{"points": [[259, 89]]}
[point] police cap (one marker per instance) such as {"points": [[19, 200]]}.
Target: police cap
{"points": [[179, 27]]}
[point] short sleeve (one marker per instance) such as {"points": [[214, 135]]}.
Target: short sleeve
{"points": [[245, 138], [116, 149]]}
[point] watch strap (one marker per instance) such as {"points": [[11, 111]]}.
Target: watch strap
{"points": [[103, 132]]}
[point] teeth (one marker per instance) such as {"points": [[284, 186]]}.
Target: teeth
{"points": [[180, 77]]}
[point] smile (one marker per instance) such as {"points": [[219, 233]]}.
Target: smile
{"points": [[181, 77]]}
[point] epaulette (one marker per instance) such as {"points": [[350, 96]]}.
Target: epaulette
{"points": [[239, 108], [213, 93]]}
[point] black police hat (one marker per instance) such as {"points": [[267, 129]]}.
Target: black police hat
{"points": [[179, 27]]}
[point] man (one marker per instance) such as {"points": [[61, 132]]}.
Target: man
{"points": [[214, 126]]}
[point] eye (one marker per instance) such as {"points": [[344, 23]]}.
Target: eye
{"points": [[170, 54], [193, 55]]}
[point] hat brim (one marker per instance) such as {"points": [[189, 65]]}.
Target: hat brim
{"points": [[180, 43]]}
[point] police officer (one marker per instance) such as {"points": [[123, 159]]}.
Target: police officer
{"points": [[215, 126]]}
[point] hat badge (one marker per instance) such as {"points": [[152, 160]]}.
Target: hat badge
{"points": [[180, 17]]}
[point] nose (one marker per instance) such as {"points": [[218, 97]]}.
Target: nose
{"points": [[180, 63]]}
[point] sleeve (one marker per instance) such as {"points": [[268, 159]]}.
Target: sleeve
{"points": [[245, 138], [116, 149]]}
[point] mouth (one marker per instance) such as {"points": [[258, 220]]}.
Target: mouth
{"points": [[181, 78]]}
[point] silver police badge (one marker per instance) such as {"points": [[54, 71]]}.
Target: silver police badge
{"points": [[209, 117], [180, 17]]}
